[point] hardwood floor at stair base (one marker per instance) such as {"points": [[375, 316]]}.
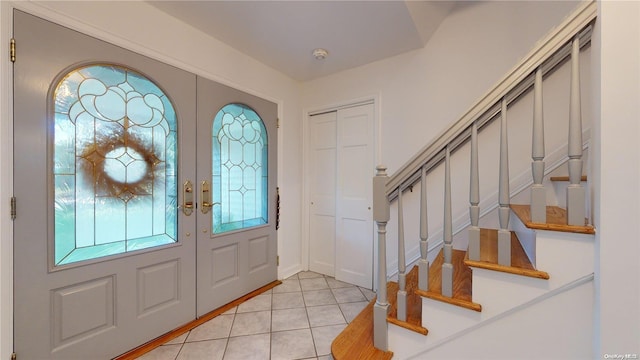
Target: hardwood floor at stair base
{"points": [[356, 340]]}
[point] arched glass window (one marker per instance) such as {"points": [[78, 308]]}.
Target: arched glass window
{"points": [[239, 167], [114, 164]]}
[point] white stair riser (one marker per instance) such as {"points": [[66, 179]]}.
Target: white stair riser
{"points": [[531, 333], [498, 292], [564, 256], [446, 319], [403, 342]]}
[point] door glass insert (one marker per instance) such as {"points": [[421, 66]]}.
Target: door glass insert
{"points": [[114, 164], [239, 167]]}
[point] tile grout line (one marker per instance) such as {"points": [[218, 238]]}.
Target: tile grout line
{"points": [[287, 306], [313, 339], [226, 344]]}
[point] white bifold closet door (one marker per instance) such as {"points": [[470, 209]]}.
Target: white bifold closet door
{"points": [[341, 166]]}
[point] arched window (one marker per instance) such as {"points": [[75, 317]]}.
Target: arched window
{"points": [[114, 164], [239, 168]]}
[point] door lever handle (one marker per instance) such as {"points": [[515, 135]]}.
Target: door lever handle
{"points": [[205, 193], [187, 198]]}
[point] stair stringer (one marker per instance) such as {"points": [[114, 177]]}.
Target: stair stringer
{"points": [[447, 319], [527, 331], [565, 256]]}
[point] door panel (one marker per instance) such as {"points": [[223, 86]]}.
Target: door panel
{"points": [[322, 217], [354, 224], [105, 306], [237, 244]]}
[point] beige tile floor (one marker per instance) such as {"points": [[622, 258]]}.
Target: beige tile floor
{"points": [[295, 320]]}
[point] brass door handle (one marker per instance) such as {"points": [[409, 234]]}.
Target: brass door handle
{"points": [[187, 198], [205, 193]]}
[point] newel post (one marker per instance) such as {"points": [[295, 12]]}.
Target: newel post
{"points": [[381, 217]]}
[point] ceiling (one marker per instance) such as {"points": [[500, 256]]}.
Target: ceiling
{"points": [[283, 34]]}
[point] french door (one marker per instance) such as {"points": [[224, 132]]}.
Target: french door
{"points": [[111, 216], [237, 217]]}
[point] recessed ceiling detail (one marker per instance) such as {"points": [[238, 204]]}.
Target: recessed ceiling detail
{"points": [[278, 33]]}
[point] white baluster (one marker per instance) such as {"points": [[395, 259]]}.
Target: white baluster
{"points": [[504, 235], [381, 211], [538, 193], [474, 197], [402, 265], [447, 266], [575, 191], [423, 264]]}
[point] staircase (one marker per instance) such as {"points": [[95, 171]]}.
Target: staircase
{"points": [[515, 277]]}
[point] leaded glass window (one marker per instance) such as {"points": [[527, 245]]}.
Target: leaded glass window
{"points": [[239, 167], [114, 164]]}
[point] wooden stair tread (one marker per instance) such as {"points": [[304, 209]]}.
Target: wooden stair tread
{"points": [[520, 263], [356, 340], [461, 282], [556, 220], [566, 178], [414, 304]]}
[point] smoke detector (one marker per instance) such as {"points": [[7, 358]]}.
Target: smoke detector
{"points": [[320, 54]]}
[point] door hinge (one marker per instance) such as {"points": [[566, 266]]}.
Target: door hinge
{"points": [[14, 356], [277, 208], [12, 50], [13, 208], [278, 123], [278, 260]]}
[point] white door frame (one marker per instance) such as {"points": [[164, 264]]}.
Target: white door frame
{"points": [[6, 131], [306, 168]]}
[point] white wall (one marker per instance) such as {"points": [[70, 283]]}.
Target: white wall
{"points": [[422, 92], [141, 27], [617, 164]]}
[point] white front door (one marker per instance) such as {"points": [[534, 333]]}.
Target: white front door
{"points": [[341, 167], [236, 172]]}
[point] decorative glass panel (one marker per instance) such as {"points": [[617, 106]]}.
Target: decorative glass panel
{"points": [[239, 169], [114, 164]]}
